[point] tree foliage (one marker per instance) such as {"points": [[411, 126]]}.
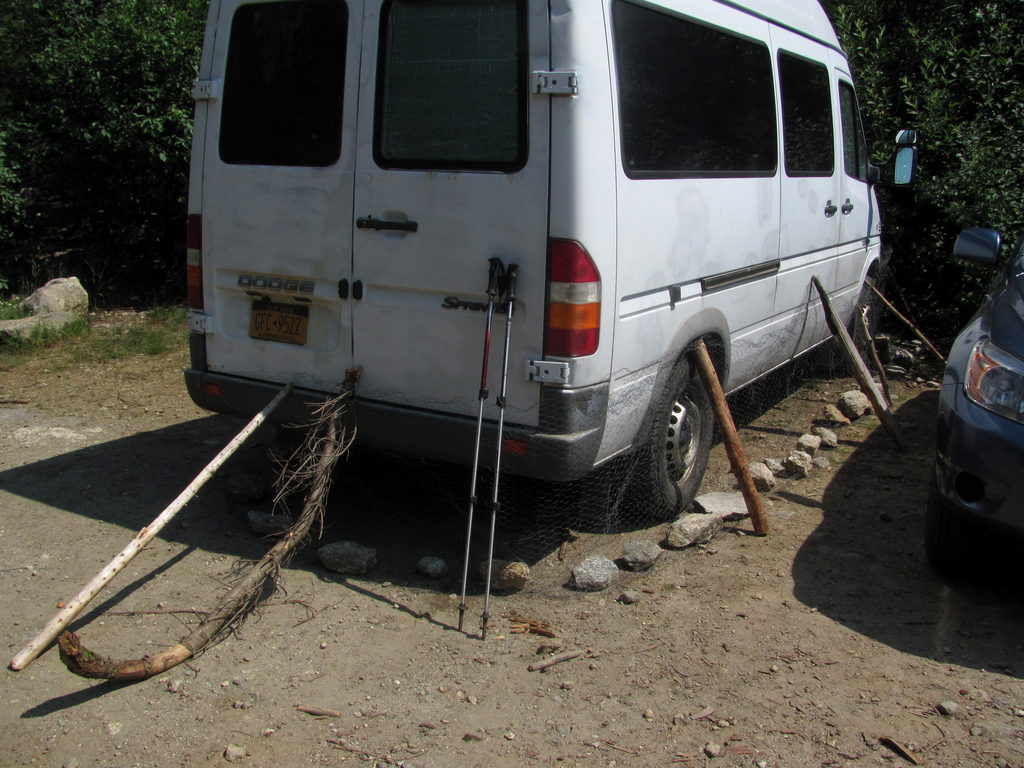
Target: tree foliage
{"points": [[95, 125], [955, 72]]}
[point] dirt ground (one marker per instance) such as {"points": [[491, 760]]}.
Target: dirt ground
{"points": [[829, 642]]}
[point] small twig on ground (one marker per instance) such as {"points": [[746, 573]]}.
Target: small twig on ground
{"points": [[317, 712], [542, 665]]}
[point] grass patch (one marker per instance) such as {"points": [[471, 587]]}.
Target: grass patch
{"points": [[102, 337], [9, 309]]}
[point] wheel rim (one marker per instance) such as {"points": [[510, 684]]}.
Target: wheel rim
{"points": [[682, 439]]}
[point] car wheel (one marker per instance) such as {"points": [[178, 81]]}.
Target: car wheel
{"points": [[946, 535], [674, 453]]}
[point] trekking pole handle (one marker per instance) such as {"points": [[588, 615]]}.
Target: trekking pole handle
{"points": [[510, 282], [495, 276]]}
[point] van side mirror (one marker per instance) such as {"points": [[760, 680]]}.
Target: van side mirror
{"points": [[906, 158], [978, 246]]}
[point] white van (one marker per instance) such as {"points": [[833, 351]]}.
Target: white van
{"points": [[660, 172]]}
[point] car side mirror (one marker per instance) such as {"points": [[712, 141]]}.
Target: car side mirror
{"points": [[905, 166], [978, 246]]}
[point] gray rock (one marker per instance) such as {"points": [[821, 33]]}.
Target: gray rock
{"points": [[948, 708], [808, 444], [834, 416], [763, 477], [640, 555], [630, 597], [70, 763], [829, 439], [62, 294], [854, 404], [347, 557], [23, 327], [506, 576], [724, 504], [234, 753], [895, 370], [693, 529], [268, 523], [714, 750], [821, 462], [775, 467], [432, 567], [594, 574], [799, 463]]}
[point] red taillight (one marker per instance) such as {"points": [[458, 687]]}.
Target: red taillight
{"points": [[574, 301], [194, 260]]}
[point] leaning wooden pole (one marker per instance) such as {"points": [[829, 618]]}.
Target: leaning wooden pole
{"points": [[57, 624], [913, 328], [858, 369], [733, 446]]}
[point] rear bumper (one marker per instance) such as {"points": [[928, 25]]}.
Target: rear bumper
{"points": [[564, 448]]}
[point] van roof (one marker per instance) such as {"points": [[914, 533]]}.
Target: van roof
{"points": [[804, 16]]}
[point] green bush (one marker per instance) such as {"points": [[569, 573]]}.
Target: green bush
{"points": [[955, 72], [95, 95]]}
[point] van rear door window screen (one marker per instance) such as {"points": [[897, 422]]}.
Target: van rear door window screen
{"points": [[694, 100], [284, 84], [806, 117], [451, 89]]}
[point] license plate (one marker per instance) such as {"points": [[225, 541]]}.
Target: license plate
{"points": [[279, 322]]}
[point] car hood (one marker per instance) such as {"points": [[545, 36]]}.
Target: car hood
{"points": [[1006, 312]]}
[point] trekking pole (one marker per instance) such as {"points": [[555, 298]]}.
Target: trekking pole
{"points": [[510, 297], [494, 279]]}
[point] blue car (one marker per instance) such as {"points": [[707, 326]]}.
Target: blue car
{"points": [[979, 463]]}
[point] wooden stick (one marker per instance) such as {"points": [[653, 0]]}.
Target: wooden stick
{"points": [[888, 305], [542, 665], [861, 315], [40, 642], [859, 370], [733, 446]]}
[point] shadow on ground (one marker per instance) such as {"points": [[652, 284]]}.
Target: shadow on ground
{"points": [[864, 566]]}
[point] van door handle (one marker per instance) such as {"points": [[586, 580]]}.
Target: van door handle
{"points": [[830, 209], [847, 208], [368, 222]]}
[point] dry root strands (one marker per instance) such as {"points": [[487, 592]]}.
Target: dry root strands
{"points": [[329, 437]]}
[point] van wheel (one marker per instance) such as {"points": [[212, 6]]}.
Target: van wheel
{"points": [[947, 536], [675, 452]]}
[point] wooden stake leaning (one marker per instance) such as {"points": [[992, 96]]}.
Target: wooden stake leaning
{"points": [[861, 318], [41, 641], [733, 446], [859, 370], [913, 328]]}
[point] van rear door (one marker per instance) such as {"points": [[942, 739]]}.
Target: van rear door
{"points": [[451, 170], [276, 190]]}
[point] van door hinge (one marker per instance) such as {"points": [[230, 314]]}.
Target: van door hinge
{"points": [[205, 90], [556, 83], [199, 322], [546, 372]]}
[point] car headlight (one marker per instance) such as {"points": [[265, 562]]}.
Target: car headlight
{"points": [[995, 380]]}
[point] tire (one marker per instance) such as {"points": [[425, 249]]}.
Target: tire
{"points": [[947, 536], [678, 434]]}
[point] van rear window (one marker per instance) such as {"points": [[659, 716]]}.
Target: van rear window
{"points": [[451, 85], [694, 100], [284, 84]]}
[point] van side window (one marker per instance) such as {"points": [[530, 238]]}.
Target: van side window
{"points": [[806, 117], [451, 85], [855, 148], [694, 100], [284, 84]]}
